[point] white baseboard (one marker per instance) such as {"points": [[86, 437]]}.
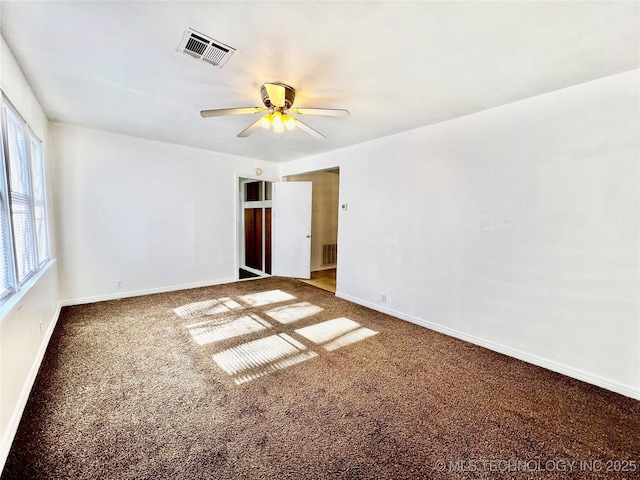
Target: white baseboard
{"points": [[578, 374], [139, 293], [16, 416]]}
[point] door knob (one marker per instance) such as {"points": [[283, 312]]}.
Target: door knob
{"points": [[308, 236]]}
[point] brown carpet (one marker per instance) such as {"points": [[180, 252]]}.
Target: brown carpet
{"points": [[226, 382]]}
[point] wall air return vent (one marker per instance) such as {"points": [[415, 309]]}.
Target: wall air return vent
{"points": [[205, 48]]}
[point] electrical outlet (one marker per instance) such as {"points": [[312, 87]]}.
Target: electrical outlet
{"points": [[384, 298], [40, 326], [118, 284]]}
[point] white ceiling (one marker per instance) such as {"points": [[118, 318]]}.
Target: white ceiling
{"points": [[394, 65]]}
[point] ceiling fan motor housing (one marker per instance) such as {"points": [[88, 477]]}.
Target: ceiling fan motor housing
{"points": [[289, 95]]}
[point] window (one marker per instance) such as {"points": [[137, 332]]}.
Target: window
{"points": [[6, 258], [39, 201], [24, 238]]}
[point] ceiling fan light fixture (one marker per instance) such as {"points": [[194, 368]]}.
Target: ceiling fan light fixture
{"points": [[289, 122], [277, 118], [278, 102], [278, 121]]}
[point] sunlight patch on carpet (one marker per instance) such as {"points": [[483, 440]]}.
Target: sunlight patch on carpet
{"points": [[349, 338], [208, 332], [292, 313], [207, 307], [336, 333], [254, 359], [266, 298]]}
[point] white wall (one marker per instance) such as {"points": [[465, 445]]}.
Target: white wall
{"points": [[324, 225], [28, 318], [515, 228], [153, 215]]}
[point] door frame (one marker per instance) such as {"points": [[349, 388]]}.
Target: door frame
{"points": [[239, 214], [239, 223]]}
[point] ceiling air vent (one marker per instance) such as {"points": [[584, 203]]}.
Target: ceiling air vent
{"points": [[204, 48]]}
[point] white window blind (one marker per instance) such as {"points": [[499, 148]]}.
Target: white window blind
{"points": [[39, 201], [20, 196], [6, 257]]}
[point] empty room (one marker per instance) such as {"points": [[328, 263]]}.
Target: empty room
{"points": [[318, 239]]}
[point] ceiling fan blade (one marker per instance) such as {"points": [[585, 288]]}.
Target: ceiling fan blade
{"points": [[250, 129], [330, 112], [306, 128], [221, 112], [276, 94]]}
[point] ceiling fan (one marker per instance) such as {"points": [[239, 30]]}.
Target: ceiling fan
{"points": [[278, 103]]}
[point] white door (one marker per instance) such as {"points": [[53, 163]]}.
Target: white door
{"points": [[292, 229]]}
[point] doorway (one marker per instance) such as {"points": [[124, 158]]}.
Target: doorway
{"points": [[255, 227], [270, 247], [324, 226]]}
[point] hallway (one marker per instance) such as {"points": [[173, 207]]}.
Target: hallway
{"points": [[325, 279]]}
